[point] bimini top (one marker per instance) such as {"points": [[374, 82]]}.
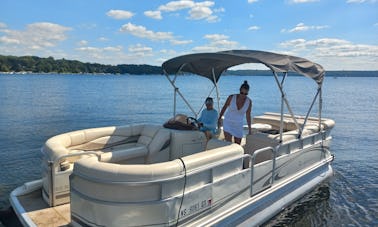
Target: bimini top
{"points": [[203, 64]]}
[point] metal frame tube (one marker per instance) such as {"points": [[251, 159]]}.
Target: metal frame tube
{"points": [[216, 89], [320, 107], [176, 91], [287, 105], [308, 112]]}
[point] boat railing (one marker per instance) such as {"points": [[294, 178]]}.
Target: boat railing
{"points": [[282, 149], [52, 166], [252, 166], [301, 143]]}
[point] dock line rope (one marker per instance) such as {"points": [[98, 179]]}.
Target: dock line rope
{"points": [[183, 192]]}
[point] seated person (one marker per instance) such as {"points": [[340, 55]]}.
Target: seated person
{"points": [[208, 119]]}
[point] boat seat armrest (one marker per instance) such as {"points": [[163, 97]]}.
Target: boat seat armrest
{"points": [[121, 155]]}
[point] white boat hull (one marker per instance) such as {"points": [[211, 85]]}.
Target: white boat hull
{"points": [[262, 207]]}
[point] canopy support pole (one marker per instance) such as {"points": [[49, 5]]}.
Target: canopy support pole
{"points": [[216, 88], [211, 91], [282, 107], [280, 86], [320, 106], [177, 91], [309, 110]]}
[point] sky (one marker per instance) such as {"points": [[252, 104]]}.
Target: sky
{"points": [[338, 34]]}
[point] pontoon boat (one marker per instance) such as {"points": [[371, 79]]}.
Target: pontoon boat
{"points": [[151, 175]]}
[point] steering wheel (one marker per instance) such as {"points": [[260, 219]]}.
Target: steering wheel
{"points": [[193, 121]]}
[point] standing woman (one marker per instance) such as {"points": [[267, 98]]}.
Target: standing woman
{"points": [[237, 106]]}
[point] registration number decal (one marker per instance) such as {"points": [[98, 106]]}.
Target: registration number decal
{"points": [[195, 207]]}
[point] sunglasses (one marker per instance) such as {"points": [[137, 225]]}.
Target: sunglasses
{"points": [[244, 93]]}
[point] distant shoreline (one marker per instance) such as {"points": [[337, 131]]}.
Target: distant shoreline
{"points": [[334, 73], [35, 65]]}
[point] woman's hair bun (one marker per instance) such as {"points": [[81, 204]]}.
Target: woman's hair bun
{"points": [[245, 85]]}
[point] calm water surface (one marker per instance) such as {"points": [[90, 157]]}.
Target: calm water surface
{"points": [[34, 108]]}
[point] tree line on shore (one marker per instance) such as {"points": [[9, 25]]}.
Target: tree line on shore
{"points": [[35, 64]]}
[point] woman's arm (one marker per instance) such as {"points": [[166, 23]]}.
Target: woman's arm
{"points": [[228, 101]]}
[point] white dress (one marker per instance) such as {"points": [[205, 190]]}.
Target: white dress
{"points": [[233, 118]]}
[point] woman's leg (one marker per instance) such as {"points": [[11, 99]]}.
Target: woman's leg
{"points": [[208, 135], [227, 136]]}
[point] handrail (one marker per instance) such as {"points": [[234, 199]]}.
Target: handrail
{"points": [[52, 165], [274, 154], [253, 165], [77, 154]]}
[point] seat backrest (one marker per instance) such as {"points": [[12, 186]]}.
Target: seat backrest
{"points": [[158, 148], [184, 143], [147, 134]]}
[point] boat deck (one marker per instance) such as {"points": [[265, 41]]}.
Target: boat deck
{"points": [[43, 215]]}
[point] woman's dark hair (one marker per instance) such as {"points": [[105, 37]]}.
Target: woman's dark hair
{"points": [[245, 85], [209, 100]]}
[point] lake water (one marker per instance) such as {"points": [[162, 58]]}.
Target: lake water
{"points": [[34, 108]]}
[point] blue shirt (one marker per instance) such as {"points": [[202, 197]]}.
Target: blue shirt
{"points": [[209, 118]]}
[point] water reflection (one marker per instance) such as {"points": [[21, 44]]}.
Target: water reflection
{"points": [[311, 210]]}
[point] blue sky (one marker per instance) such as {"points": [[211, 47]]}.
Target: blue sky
{"points": [[338, 34]]}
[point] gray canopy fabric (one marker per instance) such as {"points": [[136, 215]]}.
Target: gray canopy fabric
{"points": [[204, 63]]}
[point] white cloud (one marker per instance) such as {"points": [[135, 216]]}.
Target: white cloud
{"points": [[113, 48], [180, 42], [332, 53], [7, 40], [304, 44], [3, 25], [168, 52], [252, 1], [105, 55], [140, 50], [142, 32], [153, 14], [196, 10], [254, 28], [90, 49], [301, 27], [214, 37], [216, 42], [176, 5], [111, 55], [36, 36], [200, 12], [100, 49], [120, 14]]}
